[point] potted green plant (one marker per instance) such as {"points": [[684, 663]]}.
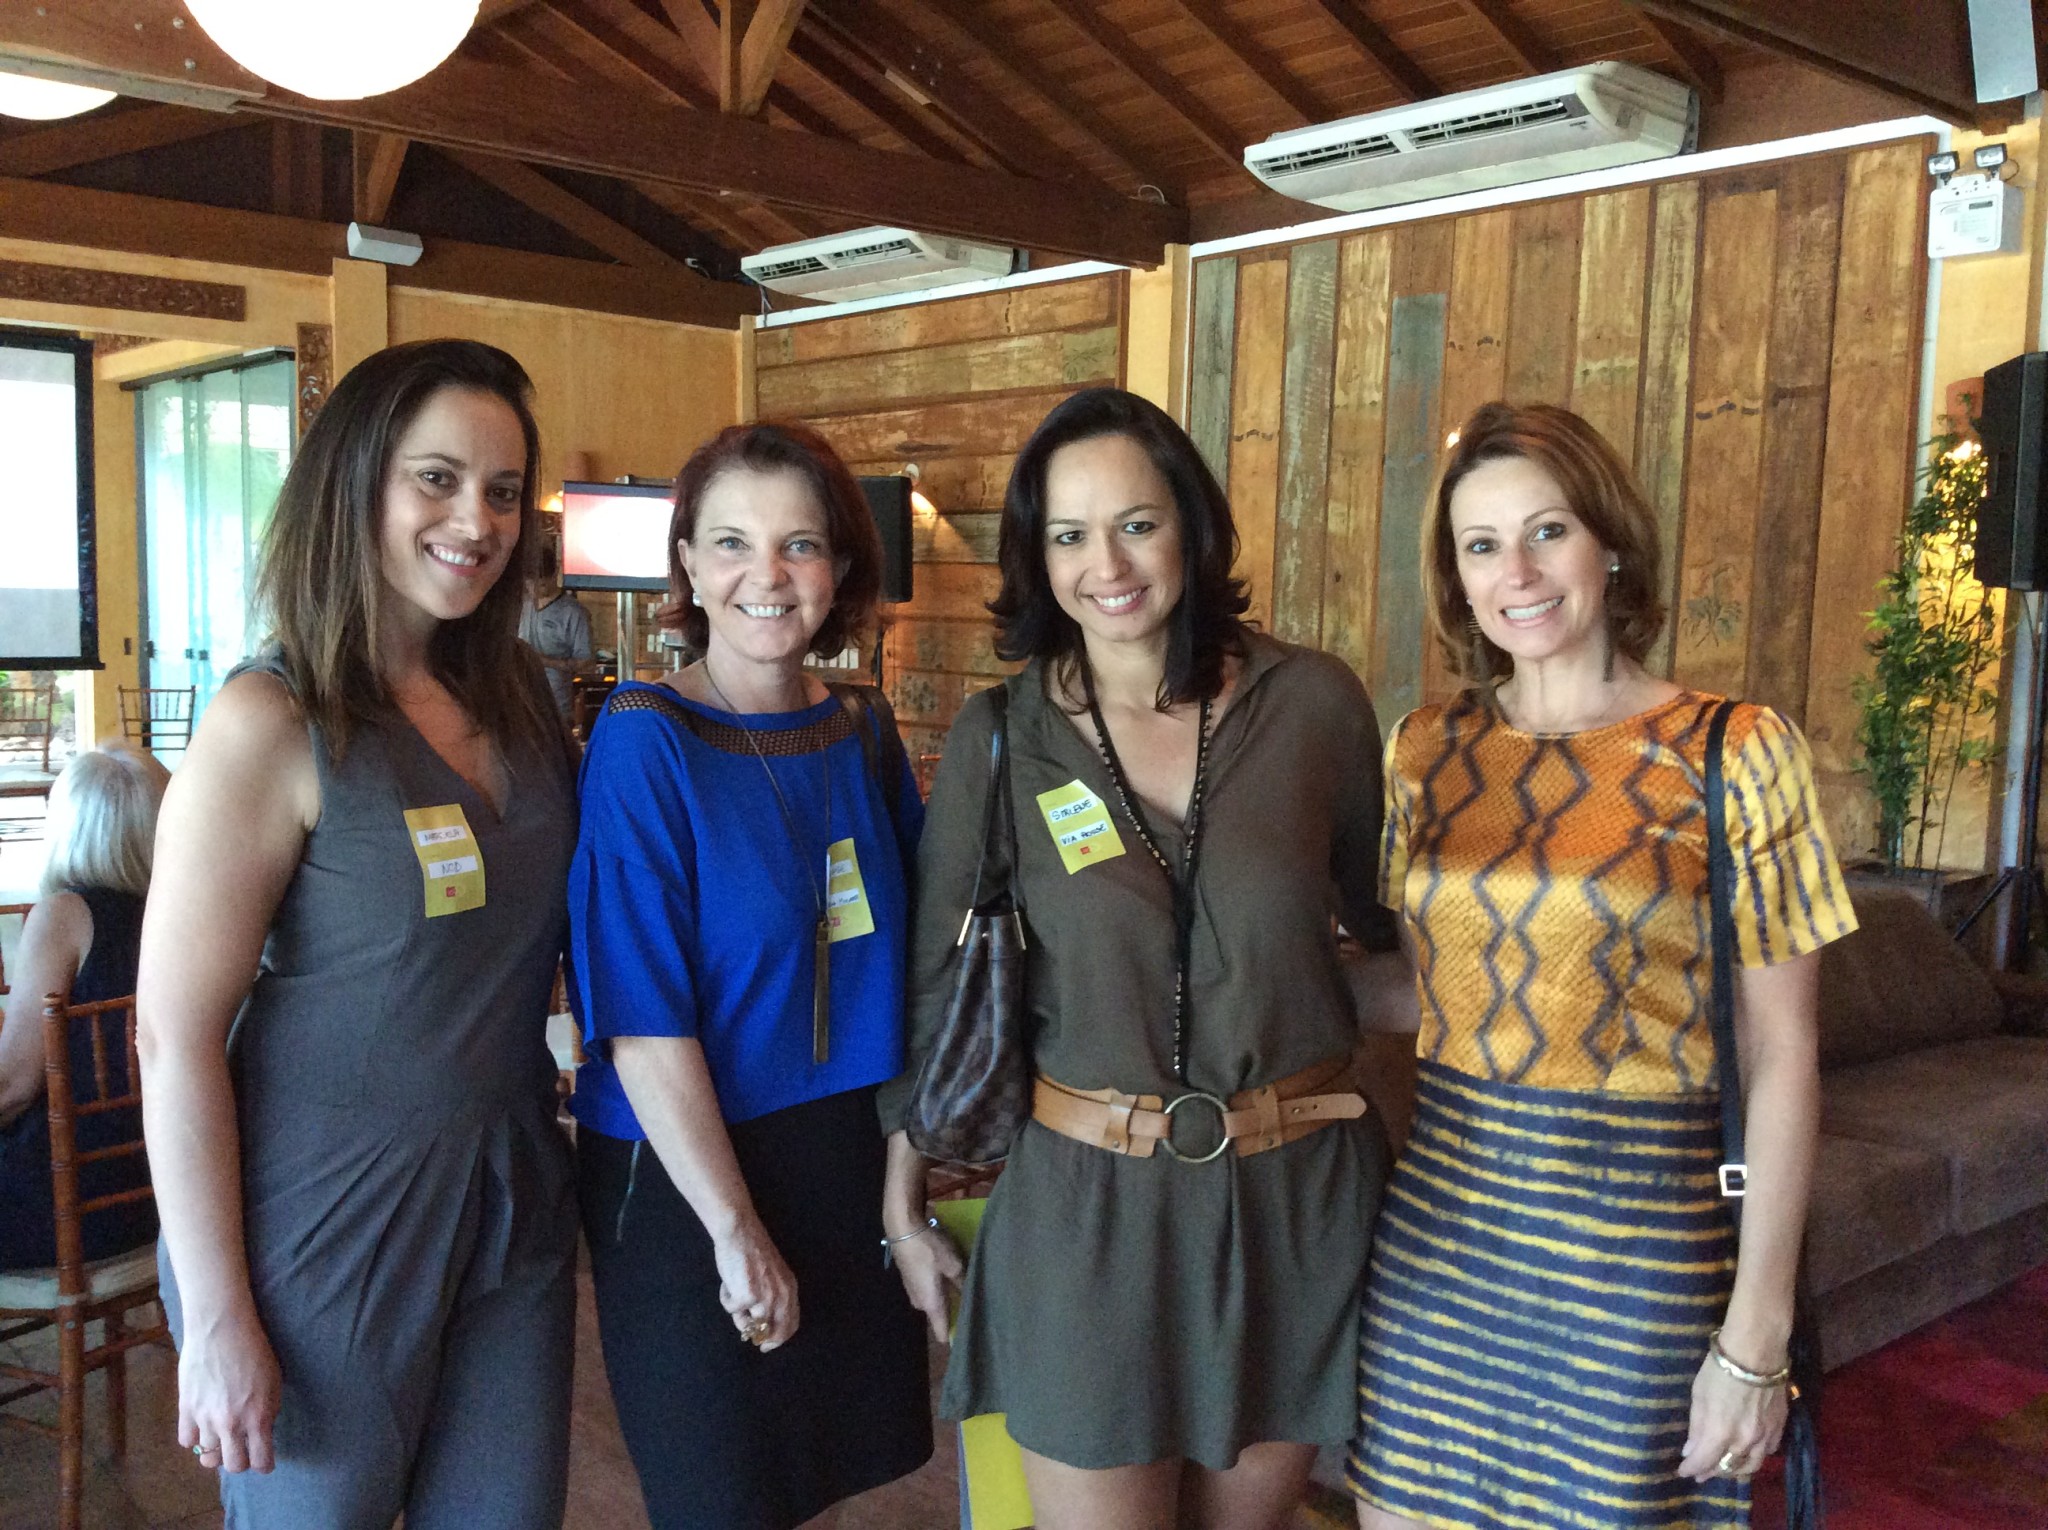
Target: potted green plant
{"points": [[1927, 710]]}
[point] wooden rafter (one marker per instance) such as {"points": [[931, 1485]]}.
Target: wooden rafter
{"points": [[82, 140], [1917, 49], [1513, 34], [1222, 139], [982, 115], [860, 84], [564, 209], [962, 24], [522, 114], [378, 159], [491, 12], [1406, 75], [296, 181], [1691, 57], [1238, 41], [692, 40], [755, 34], [592, 33]]}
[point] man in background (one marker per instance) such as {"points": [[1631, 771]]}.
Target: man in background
{"points": [[556, 628]]}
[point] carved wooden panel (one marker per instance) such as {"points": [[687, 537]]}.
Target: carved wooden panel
{"points": [[33, 282], [316, 370]]}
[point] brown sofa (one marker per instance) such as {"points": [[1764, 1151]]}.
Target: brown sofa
{"points": [[1932, 1184]]}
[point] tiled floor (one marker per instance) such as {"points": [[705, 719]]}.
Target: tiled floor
{"points": [[158, 1485]]}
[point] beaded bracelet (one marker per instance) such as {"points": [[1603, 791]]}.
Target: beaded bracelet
{"points": [[1749, 1378], [931, 1224]]}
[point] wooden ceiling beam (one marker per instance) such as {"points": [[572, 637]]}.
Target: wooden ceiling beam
{"points": [[1403, 72], [1219, 136], [1008, 138], [83, 140], [378, 159], [1918, 49], [1237, 41], [863, 86], [755, 34], [54, 213], [564, 209], [491, 12], [1687, 54], [522, 114], [691, 41], [961, 22], [602, 48], [1514, 34]]}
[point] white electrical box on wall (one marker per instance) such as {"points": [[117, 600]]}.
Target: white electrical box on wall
{"points": [[1973, 215]]}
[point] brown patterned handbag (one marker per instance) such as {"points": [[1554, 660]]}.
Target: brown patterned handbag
{"points": [[973, 1090]]}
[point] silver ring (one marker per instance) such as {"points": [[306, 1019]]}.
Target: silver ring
{"points": [[202, 1450], [1728, 1460]]}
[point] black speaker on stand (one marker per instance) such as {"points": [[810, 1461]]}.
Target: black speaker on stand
{"points": [[2012, 554]]}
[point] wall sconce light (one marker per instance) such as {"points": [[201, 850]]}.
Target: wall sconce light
{"points": [[918, 500]]}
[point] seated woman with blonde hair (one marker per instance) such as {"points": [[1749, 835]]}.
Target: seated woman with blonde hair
{"points": [[80, 939]]}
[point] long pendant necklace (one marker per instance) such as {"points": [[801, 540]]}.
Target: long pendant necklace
{"points": [[821, 937], [1183, 885]]}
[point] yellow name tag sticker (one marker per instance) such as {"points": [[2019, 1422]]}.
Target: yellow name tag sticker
{"points": [[1080, 825], [450, 859], [846, 896]]}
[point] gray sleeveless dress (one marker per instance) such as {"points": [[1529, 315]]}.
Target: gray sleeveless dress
{"points": [[408, 1201]]}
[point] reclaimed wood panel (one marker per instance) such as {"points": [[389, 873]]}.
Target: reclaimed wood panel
{"points": [[1086, 304], [1795, 432], [1303, 512], [953, 484], [1664, 415], [1414, 380], [1255, 401], [925, 433], [961, 536], [1608, 352], [1542, 302], [1012, 363], [959, 591], [1476, 323], [1425, 264], [1358, 430], [937, 645], [925, 699], [1867, 478], [1717, 567], [1213, 350]]}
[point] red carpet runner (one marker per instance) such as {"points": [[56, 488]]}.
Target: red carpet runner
{"points": [[1947, 1429]]}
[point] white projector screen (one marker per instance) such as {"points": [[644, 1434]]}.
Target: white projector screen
{"points": [[49, 608]]}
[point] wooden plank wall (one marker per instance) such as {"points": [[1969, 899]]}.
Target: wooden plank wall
{"points": [[955, 386], [1749, 339]]}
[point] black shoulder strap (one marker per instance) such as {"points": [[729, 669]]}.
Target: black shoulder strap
{"points": [[1727, 961], [998, 864], [881, 747]]}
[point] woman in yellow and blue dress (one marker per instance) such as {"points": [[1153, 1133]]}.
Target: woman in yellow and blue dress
{"points": [[1558, 1330]]}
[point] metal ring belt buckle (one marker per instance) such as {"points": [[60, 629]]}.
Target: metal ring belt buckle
{"points": [[1223, 1137]]}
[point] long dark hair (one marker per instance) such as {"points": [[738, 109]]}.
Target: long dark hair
{"points": [[321, 582], [782, 446], [1207, 623]]}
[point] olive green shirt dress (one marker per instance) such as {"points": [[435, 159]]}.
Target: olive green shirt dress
{"points": [[1124, 1310]]}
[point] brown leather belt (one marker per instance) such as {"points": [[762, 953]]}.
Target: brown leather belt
{"points": [[1252, 1120]]}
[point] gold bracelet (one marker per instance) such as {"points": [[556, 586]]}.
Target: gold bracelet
{"points": [[1759, 1379]]}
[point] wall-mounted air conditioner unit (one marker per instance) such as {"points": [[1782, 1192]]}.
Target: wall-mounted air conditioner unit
{"points": [[870, 262], [1555, 124]]}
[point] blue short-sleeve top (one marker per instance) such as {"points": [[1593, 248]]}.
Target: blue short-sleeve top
{"points": [[693, 899]]}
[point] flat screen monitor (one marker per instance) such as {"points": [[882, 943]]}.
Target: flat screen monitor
{"points": [[49, 610], [615, 536]]}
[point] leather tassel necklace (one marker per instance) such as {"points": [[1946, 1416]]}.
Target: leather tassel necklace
{"points": [[821, 935]]}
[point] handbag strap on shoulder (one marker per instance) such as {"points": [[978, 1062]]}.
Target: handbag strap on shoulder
{"points": [[998, 864], [1727, 962]]}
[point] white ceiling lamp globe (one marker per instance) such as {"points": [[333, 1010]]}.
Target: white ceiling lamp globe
{"points": [[23, 95], [336, 50]]}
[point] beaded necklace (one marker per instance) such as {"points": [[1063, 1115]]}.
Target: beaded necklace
{"points": [[1183, 884]]}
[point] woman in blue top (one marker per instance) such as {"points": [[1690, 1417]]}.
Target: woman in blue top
{"points": [[738, 914]]}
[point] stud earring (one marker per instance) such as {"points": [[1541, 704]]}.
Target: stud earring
{"points": [[696, 598]]}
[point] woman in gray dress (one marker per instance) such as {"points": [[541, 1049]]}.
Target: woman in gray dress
{"points": [[357, 910], [1164, 1305]]}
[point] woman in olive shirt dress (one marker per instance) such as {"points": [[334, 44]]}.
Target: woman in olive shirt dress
{"points": [[1168, 1332]]}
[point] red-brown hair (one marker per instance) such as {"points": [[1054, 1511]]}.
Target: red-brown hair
{"points": [[781, 446], [1598, 488]]}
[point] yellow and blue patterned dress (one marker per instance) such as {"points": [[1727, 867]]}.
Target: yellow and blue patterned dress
{"points": [[1553, 1250]]}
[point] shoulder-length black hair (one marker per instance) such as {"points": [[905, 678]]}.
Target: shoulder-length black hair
{"points": [[1205, 626], [321, 580]]}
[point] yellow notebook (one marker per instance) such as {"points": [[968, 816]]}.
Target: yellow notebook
{"points": [[992, 1491]]}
